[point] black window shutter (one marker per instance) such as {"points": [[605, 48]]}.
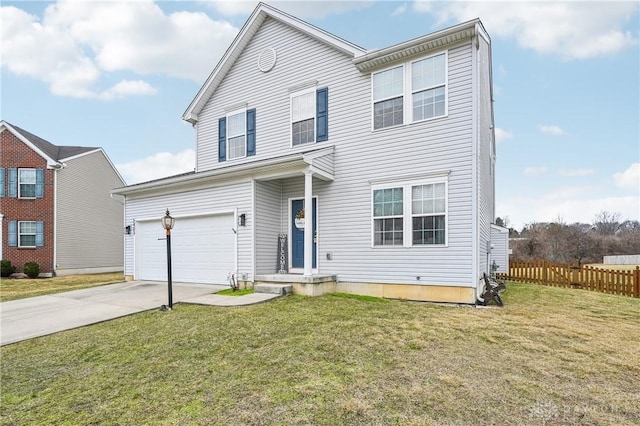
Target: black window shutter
{"points": [[251, 132], [322, 114], [222, 139]]}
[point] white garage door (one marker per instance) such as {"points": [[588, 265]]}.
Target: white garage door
{"points": [[202, 250]]}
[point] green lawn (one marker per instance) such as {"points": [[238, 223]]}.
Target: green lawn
{"points": [[11, 289], [551, 356]]}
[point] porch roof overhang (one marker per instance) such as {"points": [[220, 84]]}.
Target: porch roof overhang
{"points": [[266, 169]]}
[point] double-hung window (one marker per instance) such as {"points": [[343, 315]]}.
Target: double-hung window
{"points": [[303, 113], [413, 91], [388, 217], [388, 98], [237, 134], [428, 91], [27, 183], [410, 214], [26, 234]]}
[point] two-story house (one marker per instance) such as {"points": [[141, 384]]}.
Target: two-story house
{"points": [[393, 150], [56, 206]]}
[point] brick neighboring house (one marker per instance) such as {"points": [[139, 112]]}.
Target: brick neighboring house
{"points": [[55, 205]]}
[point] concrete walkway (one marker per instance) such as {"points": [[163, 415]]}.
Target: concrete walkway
{"points": [[42, 315]]}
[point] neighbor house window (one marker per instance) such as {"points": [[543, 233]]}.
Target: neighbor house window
{"points": [[388, 217], [237, 134], [410, 214], [388, 100], [428, 79], [27, 183], [26, 234]]}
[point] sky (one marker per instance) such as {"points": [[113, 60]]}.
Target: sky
{"points": [[119, 75]]}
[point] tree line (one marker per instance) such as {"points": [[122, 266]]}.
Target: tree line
{"points": [[578, 243]]}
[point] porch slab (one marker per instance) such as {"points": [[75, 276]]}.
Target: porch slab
{"points": [[295, 278], [315, 285]]}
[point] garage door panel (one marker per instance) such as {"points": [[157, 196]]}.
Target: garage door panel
{"points": [[202, 250]]}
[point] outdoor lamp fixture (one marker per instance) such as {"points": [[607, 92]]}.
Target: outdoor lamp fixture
{"points": [[242, 219], [167, 224]]}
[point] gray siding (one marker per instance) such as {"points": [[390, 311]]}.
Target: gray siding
{"points": [[89, 221], [268, 207], [361, 156], [485, 157], [500, 248], [216, 199]]}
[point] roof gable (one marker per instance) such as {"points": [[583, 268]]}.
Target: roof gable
{"points": [[243, 38], [54, 154]]}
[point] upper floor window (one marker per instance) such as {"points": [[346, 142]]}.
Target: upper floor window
{"points": [[309, 116], [428, 81], [388, 102], [410, 214], [27, 183], [424, 96], [237, 134]]}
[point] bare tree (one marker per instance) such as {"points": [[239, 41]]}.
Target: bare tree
{"points": [[607, 223]]}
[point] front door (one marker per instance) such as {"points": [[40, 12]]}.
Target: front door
{"points": [[297, 233]]}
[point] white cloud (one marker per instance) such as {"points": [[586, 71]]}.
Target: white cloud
{"points": [[399, 10], [301, 8], [551, 130], [571, 30], [534, 171], [126, 88], [75, 43], [575, 172], [502, 135], [157, 166], [630, 178]]}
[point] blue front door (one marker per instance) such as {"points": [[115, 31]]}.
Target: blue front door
{"points": [[297, 234]]}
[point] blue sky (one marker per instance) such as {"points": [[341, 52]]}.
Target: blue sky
{"points": [[120, 75]]}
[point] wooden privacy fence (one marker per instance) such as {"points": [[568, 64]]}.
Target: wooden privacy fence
{"points": [[610, 281]]}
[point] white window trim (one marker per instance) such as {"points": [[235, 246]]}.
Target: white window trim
{"points": [[313, 89], [35, 234], [228, 136], [407, 214], [407, 92], [446, 87], [403, 94], [34, 184]]}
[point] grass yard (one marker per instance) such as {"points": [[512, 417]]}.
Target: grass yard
{"points": [[551, 356], [11, 289]]}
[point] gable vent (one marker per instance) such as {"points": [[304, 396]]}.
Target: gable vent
{"points": [[267, 60]]}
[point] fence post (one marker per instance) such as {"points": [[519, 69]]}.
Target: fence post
{"points": [[636, 282], [544, 272]]}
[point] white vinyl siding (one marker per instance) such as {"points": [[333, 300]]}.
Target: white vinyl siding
{"points": [[361, 157], [237, 134], [27, 183]]}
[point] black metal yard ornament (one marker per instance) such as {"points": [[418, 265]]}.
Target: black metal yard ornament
{"points": [[167, 224]]}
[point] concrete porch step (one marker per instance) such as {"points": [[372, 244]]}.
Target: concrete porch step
{"points": [[282, 289]]}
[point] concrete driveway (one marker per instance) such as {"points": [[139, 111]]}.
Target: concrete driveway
{"points": [[38, 316]]}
